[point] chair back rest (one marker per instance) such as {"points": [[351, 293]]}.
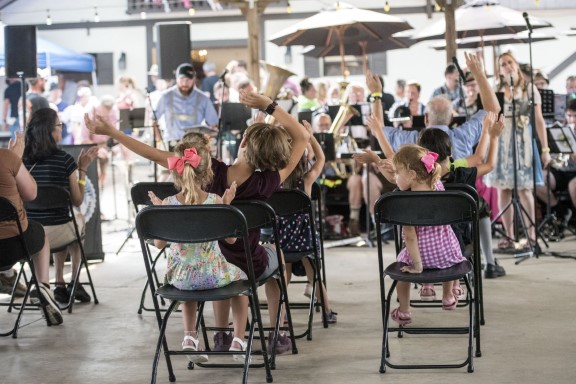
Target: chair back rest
{"points": [[8, 211], [290, 201], [316, 194], [464, 188], [139, 192], [50, 198], [258, 214]]}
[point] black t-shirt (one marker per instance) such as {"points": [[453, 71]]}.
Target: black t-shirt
{"points": [[13, 93]]}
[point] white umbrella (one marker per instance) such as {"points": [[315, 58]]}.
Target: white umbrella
{"points": [[341, 26], [481, 18], [494, 40]]}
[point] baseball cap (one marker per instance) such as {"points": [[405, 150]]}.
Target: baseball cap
{"points": [[185, 69]]}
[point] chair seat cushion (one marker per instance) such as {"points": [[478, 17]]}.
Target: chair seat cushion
{"points": [[233, 289], [429, 275]]}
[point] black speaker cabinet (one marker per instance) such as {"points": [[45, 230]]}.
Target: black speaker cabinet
{"points": [[173, 47], [20, 50]]}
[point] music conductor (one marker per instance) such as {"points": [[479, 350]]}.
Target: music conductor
{"points": [[184, 107]]}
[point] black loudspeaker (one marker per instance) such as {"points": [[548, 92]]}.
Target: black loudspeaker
{"points": [[20, 50], [173, 47]]}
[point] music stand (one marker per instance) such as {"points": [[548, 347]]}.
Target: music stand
{"points": [[132, 118], [306, 115], [560, 102], [548, 102], [326, 141], [233, 119]]}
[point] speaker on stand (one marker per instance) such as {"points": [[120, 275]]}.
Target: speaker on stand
{"points": [[20, 56], [173, 47]]}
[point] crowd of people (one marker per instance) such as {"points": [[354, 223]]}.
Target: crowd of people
{"points": [[493, 147]]}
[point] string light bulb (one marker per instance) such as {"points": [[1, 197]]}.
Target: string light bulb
{"points": [[537, 2], [437, 7], [191, 11], [96, 16], [143, 15], [386, 7], [337, 5], [288, 8], [48, 18]]}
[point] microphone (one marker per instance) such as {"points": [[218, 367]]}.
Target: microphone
{"points": [[455, 61], [525, 15], [512, 85], [223, 75]]}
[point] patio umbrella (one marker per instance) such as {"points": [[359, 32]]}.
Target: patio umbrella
{"points": [[361, 48], [481, 18], [341, 26], [495, 40]]}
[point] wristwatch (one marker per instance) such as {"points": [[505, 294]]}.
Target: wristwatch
{"points": [[271, 108]]}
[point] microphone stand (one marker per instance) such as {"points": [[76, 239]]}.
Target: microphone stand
{"points": [[219, 134], [461, 81], [154, 135]]}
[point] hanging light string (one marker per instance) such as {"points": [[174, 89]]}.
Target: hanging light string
{"points": [[48, 18]]}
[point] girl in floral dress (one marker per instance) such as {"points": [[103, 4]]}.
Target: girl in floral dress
{"points": [[199, 266]]}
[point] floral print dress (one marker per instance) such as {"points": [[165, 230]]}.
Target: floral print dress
{"points": [[199, 266]]}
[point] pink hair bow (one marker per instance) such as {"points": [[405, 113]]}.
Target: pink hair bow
{"points": [[428, 160], [190, 157]]}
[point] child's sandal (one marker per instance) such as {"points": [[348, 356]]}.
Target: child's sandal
{"points": [[458, 292], [450, 303], [242, 348], [190, 344], [402, 318], [427, 292]]}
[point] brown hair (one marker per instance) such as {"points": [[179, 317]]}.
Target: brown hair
{"points": [[409, 158], [193, 178], [267, 147]]}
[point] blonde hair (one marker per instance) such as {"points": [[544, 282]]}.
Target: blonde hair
{"points": [[501, 82], [193, 179], [267, 147], [409, 158]]}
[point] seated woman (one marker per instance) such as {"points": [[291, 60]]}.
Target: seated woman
{"points": [[17, 186], [51, 166]]}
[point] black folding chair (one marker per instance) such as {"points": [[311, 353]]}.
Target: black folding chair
{"points": [[428, 209], [260, 215], [140, 199], [318, 201], [288, 203], [58, 198], [9, 213], [198, 224]]}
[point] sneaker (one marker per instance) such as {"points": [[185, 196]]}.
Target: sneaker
{"points": [[190, 344], [493, 271], [308, 290], [332, 317], [283, 344], [7, 284], [354, 228], [61, 295], [81, 294], [46, 299], [222, 341]]}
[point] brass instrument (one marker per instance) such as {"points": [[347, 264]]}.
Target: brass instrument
{"points": [[345, 113], [277, 76]]}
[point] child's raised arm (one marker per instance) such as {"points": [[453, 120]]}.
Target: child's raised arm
{"points": [[491, 130], [411, 240], [316, 170], [299, 134], [98, 125]]}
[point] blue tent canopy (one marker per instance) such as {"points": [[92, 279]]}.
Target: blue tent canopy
{"points": [[54, 56]]}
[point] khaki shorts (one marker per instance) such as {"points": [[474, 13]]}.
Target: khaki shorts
{"points": [[64, 234]]}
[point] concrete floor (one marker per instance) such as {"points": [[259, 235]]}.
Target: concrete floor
{"points": [[529, 335]]}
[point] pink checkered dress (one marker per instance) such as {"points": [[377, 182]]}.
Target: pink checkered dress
{"points": [[439, 247]]}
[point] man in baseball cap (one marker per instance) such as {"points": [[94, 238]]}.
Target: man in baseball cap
{"points": [[184, 107]]}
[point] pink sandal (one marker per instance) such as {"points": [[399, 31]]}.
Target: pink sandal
{"points": [[402, 318], [458, 292], [450, 304], [427, 292]]}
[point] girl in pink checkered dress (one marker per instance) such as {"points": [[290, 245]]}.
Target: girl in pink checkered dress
{"points": [[428, 247]]}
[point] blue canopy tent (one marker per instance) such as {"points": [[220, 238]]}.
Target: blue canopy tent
{"points": [[56, 57]]}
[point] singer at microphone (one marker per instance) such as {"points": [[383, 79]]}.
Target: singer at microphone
{"points": [[451, 89]]}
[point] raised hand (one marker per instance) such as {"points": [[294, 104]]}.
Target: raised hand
{"points": [[366, 158], [154, 199], [308, 127], [373, 123], [16, 145], [373, 82], [254, 100], [229, 194], [98, 125], [497, 126], [474, 64], [86, 157]]}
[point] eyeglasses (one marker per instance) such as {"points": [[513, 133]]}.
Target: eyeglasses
{"points": [[59, 124]]}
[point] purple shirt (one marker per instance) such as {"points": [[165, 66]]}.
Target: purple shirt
{"points": [[259, 186]]}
